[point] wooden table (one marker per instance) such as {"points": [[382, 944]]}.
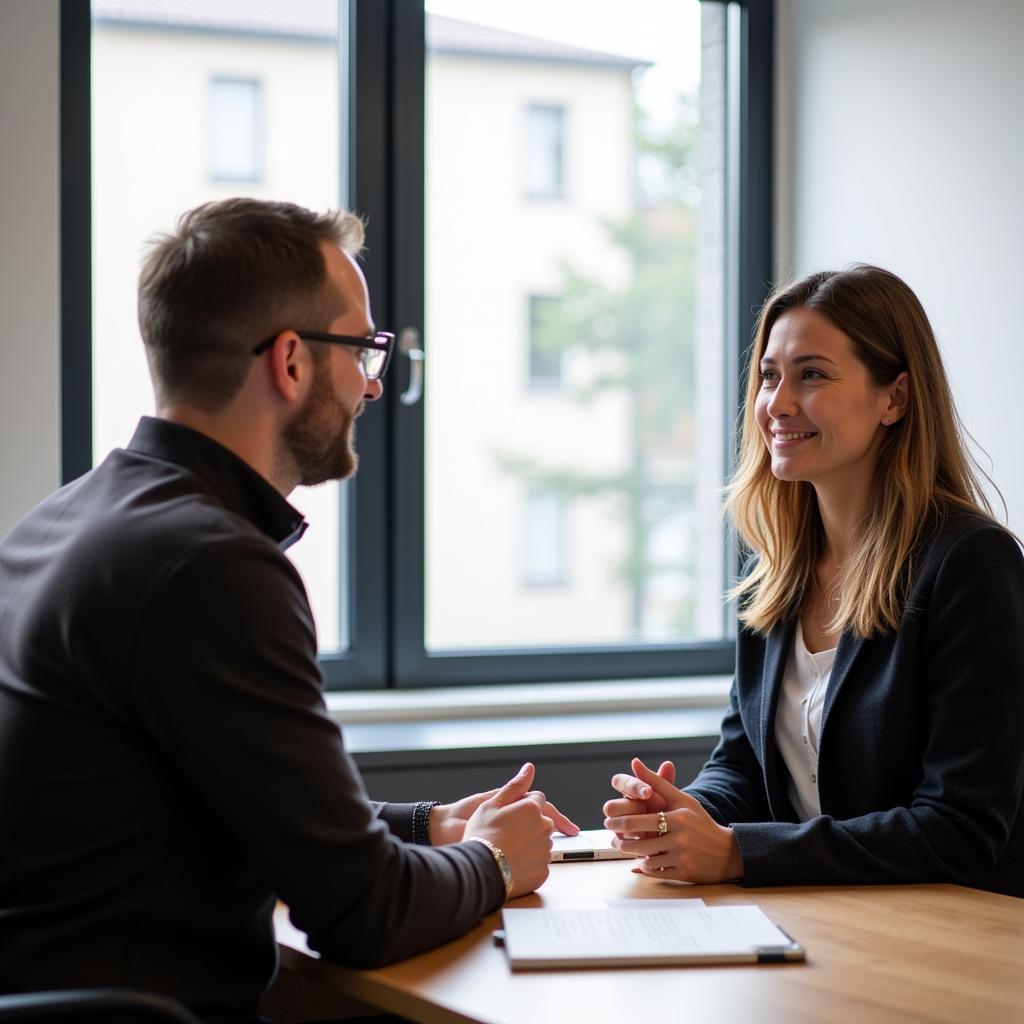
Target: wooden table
{"points": [[874, 954]]}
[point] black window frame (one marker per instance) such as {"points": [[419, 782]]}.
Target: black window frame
{"points": [[382, 46]]}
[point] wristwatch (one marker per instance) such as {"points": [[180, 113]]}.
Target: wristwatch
{"points": [[501, 860]]}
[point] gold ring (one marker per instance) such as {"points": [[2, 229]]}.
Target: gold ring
{"points": [[662, 823]]}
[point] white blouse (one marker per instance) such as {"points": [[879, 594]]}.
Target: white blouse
{"points": [[798, 721]]}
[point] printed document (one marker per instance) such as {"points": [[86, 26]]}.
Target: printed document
{"points": [[536, 938]]}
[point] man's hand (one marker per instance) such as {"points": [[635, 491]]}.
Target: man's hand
{"points": [[694, 849], [514, 820], [448, 821]]}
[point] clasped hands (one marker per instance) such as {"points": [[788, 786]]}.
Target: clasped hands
{"points": [[691, 846]]}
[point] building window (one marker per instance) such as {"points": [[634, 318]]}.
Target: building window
{"points": [[544, 152], [235, 124], [545, 539], [545, 355]]}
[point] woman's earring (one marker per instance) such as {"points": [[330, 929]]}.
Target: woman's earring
{"points": [[885, 421]]}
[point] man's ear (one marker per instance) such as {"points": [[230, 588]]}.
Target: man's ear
{"points": [[899, 399], [289, 366]]}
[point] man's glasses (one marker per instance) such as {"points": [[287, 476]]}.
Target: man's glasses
{"points": [[374, 357]]}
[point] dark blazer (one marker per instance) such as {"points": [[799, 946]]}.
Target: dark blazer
{"points": [[921, 751]]}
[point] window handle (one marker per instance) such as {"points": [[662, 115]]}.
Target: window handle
{"points": [[409, 345]]}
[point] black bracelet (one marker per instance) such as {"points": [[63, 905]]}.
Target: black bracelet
{"points": [[421, 821]]}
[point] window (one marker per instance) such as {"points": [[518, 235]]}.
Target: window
{"points": [[545, 355], [235, 130], [625, 410], [545, 539], [167, 136], [496, 533], [544, 151]]}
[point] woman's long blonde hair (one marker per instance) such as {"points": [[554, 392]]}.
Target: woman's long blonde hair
{"points": [[923, 465]]}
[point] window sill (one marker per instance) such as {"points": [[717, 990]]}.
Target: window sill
{"points": [[445, 703], [589, 717]]}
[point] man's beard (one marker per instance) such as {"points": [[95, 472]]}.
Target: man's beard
{"points": [[318, 440]]}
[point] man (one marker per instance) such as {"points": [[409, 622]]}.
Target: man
{"points": [[167, 768]]}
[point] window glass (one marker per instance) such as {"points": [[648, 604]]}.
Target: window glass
{"points": [[623, 116], [545, 539], [196, 100], [544, 343], [234, 130], [544, 150]]}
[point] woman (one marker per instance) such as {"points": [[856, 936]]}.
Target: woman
{"points": [[876, 723]]}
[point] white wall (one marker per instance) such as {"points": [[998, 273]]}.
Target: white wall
{"points": [[899, 124], [29, 259]]}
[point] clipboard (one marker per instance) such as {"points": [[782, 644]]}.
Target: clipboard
{"points": [[538, 939]]}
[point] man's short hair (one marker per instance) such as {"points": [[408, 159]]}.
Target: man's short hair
{"points": [[230, 275]]}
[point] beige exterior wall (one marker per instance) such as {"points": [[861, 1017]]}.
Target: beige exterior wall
{"points": [[489, 248]]}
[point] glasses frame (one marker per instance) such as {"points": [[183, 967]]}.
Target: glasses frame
{"points": [[380, 341]]}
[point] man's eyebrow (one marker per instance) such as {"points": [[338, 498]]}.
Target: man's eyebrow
{"points": [[768, 361]]}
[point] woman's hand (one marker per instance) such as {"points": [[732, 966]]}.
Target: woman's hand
{"points": [[694, 847], [639, 797]]}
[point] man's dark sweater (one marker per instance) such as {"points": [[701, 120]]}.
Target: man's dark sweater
{"points": [[167, 768]]}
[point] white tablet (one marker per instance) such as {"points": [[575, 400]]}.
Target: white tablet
{"points": [[594, 844]]}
